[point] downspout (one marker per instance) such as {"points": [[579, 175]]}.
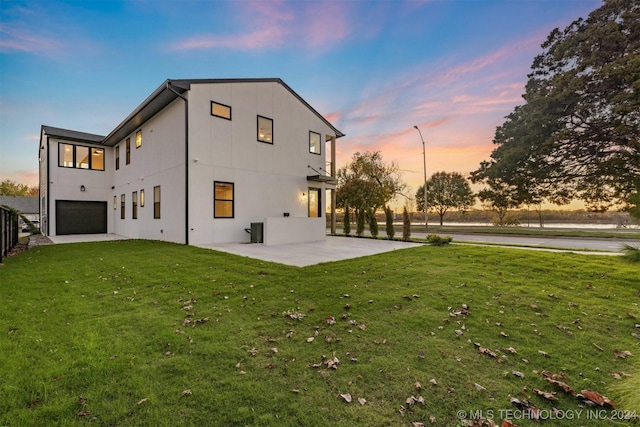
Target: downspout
{"points": [[48, 193], [186, 161]]}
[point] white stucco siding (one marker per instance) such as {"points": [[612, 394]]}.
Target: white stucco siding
{"points": [[65, 183], [268, 179], [159, 161]]}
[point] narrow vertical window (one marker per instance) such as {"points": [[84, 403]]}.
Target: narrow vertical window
{"points": [[128, 149], [314, 203], [65, 155], [82, 157], [265, 130], [115, 202], [134, 205], [314, 142], [141, 198], [97, 159], [122, 213], [117, 157], [223, 199], [156, 202], [139, 139]]}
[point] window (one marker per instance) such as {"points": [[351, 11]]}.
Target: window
{"points": [[115, 202], [222, 199], [314, 142], [117, 157], [134, 205], [314, 203], [122, 206], [97, 159], [265, 130], [139, 139], [65, 155], [141, 198], [80, 157], [156, 202], [128, 148], [220, 110]]}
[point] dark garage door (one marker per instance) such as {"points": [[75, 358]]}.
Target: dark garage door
{"points": [[76, 217]]}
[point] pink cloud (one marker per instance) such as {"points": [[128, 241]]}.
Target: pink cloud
{"points": [[315, 25], [15, 39]]}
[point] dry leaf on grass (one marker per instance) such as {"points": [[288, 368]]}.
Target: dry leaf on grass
{"points": [[547, 395], [347, 397], [623, 354], [597, 398]]}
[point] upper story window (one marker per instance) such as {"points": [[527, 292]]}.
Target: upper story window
{"points": [[117, 157], [139, 139], [128, 150], [265, 130], [80, 157], [314, 142], [220, 110], [142, 198]]}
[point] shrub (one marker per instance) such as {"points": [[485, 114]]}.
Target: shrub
{"points": [[406, 225], [360, 221], [437, 240], [347, 221], [632, 253], [388, 213], [373, 223]]}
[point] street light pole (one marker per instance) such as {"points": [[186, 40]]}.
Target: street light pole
{"points": [[424, 159]]}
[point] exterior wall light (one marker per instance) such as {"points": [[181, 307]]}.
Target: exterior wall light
{"points": [[82, 188]]}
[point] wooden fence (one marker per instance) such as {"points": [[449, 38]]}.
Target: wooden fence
{"points": [[8, 231]]}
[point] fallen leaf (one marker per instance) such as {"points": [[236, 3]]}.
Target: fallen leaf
{"points": [[532, 411], [417, 385], [310, 339], [432, 419], [479, 387], [623, 354], [433, 381], [597, 398], [141, 401], [362, 400], [346, 397], [187, 392], [507, 423], [518, 374], [543, 353], [83, 413], [417, 424], [547, 395]]}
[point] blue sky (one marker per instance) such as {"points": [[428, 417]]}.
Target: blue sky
{"points": [[455, 68]]}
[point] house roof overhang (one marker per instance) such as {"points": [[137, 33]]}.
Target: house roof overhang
{"points": [[172, 89]]}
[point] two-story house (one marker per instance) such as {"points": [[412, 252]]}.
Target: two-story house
{"points": [[198, 162]]}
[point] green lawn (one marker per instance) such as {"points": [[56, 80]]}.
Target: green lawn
{"points": [[149, 333]]}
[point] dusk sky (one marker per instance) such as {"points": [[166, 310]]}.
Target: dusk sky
{"points": [[374, 69]]}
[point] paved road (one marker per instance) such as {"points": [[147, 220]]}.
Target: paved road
{"points": [[573, 243]]}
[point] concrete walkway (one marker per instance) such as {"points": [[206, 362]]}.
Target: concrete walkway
{"points": [[303, 254]]}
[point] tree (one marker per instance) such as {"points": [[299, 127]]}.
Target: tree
{"points": [[360, 222], [347, 222], [578, 134], [388, 214], [373, 223], [500, 197], [446, 190], [12, 188], [367, 183], [406, 225]]}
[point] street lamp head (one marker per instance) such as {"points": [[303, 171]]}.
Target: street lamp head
{"points": [[415, 127]]}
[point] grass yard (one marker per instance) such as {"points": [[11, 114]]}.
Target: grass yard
{"points": [[132, 332]]}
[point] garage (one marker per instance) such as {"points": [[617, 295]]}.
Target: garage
{"points": [[80, 217]]}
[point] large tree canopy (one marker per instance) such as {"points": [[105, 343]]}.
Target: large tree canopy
{"points": [[445, 190], [578, 134], [367, 183]]}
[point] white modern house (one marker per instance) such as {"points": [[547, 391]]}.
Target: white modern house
{"points": [[198, 162]]}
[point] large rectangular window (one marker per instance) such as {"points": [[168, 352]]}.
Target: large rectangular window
{"points": [[314, 142], [220, 110], [128, 150], [139, 139], [315, 203], [80, 157], [265, 130], [122, 207], [156, 202], [134, 205], [222, 199]]}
